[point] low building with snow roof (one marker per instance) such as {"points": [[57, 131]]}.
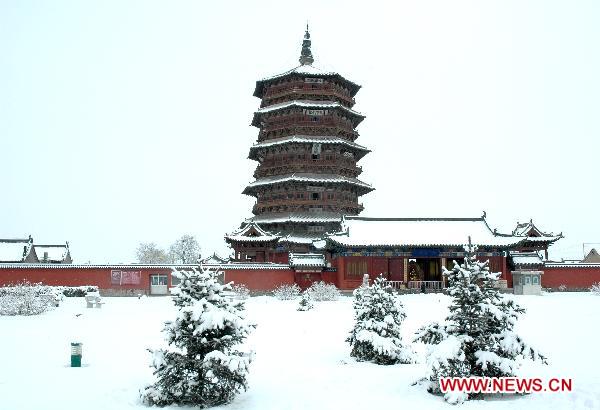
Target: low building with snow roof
{"points": [[17, 251], [53, 253]]}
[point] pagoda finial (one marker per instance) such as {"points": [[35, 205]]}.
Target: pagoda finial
{"points": [[306, 57]]}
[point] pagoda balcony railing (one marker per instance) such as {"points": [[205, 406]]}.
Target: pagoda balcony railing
{"points": [[316, 167], [309, 162], [293, 204], [286, 131], [307, 128], [301, 86], [295, 92], [302, 121]]}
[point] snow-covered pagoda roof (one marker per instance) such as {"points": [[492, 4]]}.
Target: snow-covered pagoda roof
{"points": [[418, 232], [313, 260], [359, 150], [53, 253], [251, 232], [526, 259], [304, 70], [298, 217], [16, 250], [317, 105], [307, 177]]}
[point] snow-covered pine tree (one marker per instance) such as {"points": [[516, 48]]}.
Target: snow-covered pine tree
{"points": [[477, 338], [201, 366], [305, 302], [378, 314]]}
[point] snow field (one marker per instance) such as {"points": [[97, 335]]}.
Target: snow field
{"points": [[301, 359]]}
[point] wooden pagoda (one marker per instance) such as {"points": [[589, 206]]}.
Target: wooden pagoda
{"points": [[307, 174]]}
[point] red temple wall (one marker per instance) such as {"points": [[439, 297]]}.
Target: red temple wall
{"points": [[78, 276], [571, 277], [260, 279]]}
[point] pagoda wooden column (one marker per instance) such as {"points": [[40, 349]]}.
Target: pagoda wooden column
{"points": [[405, 267]]}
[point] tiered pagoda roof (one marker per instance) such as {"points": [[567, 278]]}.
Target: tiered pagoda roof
{"points": [[303, 70], [358, 150], [310, 178]]}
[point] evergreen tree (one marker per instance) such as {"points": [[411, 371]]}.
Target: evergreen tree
{"points": [[201, 366], [477, 338], [378, 315], [305, 302]]}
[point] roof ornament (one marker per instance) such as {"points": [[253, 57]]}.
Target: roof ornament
{"points": [[306, 57], [484, 215]]}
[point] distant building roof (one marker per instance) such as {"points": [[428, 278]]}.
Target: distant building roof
{"points": [[17, 250], [418, 232], [214, 259], [53, 253], [592, 257]]}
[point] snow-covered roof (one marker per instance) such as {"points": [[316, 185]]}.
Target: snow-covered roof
{"points": [[572, 264], [319, 105], [308, 70], [417, 232], [298, 217], [301, 238], [252, 232], [52, 253], [307, 177], [214, 258], [15, 250], [530, 230], [526, 258], [305, 139], [307, 259]]}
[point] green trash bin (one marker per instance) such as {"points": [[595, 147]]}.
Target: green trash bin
{"points": [[76, 351]]}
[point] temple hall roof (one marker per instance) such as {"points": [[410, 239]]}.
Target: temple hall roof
{"points": [[418, 232], [299, 217]]}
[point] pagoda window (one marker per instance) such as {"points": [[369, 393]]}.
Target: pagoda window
{"points": [[315, 196]]}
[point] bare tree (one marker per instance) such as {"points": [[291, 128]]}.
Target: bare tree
{"points": [[148, 252], [185, 250]]}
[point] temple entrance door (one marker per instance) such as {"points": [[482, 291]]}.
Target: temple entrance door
{"points": [[431, 268]]}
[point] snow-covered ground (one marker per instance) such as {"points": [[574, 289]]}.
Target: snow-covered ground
{"points": [[301, 360]]}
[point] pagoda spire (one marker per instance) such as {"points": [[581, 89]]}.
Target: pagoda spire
{"points": [[306, 57]]}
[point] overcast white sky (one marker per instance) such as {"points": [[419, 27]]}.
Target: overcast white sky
{"points": [[128, 121]]}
